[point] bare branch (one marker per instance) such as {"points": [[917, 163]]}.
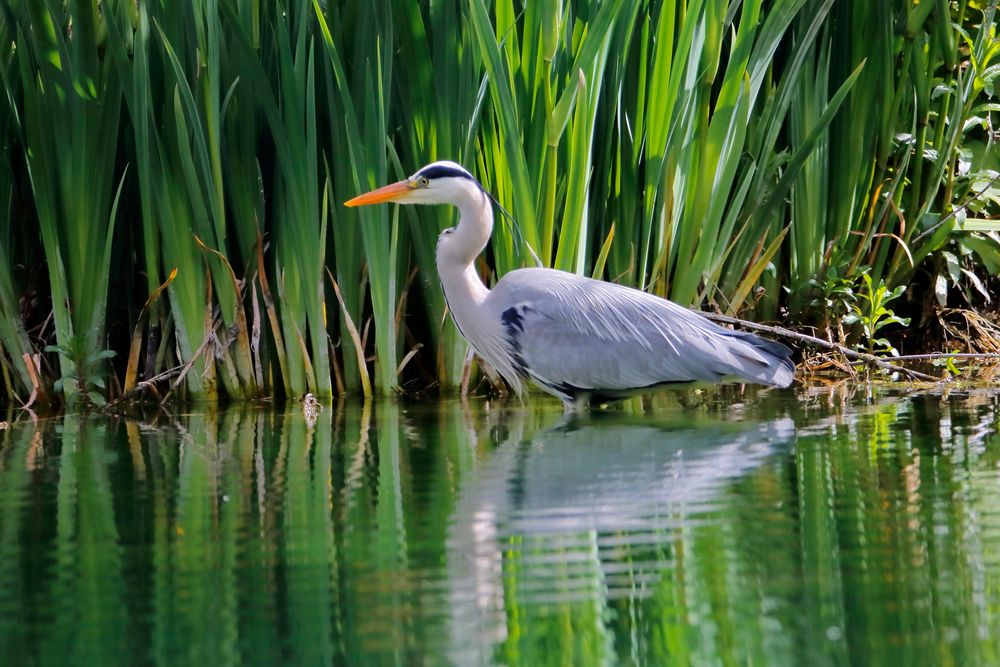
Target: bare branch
{"points": [[819, 342]]}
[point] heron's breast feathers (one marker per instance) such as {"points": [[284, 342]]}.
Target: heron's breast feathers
{"points": [[497, 340]]}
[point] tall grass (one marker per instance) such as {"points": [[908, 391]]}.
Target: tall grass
{"points": [[718, 152], [359, 122], [882, 191], [288, 97], [70, 110], [700, 176], [17, 378], [440, 125]]}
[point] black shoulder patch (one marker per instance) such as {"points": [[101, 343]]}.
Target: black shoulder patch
{"points": [[442, 171], [513, 323], [513, 320]]}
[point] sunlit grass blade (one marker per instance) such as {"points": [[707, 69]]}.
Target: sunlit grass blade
{"points": [[602, 257]]}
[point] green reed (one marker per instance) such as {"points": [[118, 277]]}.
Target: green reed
{"points": [[686, 184], [441, 125], [288, 96], [700, 149], [13, 337], [359, 120], [892, 175], [70, 111]]}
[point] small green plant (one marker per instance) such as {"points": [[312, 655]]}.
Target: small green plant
{"points": [[949, 365], [84, 380], [834, 296], [873, 314]]}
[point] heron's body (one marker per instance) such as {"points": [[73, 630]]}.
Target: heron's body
{"points": [[579, 339]]}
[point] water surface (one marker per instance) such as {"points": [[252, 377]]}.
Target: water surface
{"points": [[820, 527]]}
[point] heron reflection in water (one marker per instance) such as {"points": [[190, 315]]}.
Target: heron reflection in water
{"points": [[585, 512]]}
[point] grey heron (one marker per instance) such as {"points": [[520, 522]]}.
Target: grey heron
{"points": [[579, 339]]}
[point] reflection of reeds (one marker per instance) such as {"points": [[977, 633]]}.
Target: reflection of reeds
{"points": [[420, 535], [86, 585], [19, 451]]}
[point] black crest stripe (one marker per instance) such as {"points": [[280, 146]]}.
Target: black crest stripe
{"points": [[442, 171]]}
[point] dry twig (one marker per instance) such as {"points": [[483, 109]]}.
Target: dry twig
{"points": [[819, 342], [146, 385]]}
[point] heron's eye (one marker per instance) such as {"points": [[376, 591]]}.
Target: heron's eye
{"points": [[424, 182]]}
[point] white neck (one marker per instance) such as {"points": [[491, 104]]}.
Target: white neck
{"points": [[456, 256], [465, 292]]}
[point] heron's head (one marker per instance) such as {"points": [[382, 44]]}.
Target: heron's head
{"points": [[438, 183]]}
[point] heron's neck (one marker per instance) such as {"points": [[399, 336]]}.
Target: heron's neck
{"points": [[475, 224], [456, 256]]}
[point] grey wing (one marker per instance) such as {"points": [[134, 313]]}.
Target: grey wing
{"points": [[574, 333]]}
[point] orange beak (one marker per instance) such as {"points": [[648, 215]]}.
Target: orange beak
{"points": [[385, 193]]}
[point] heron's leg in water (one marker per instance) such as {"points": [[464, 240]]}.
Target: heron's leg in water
{"points": [[576, 404]]}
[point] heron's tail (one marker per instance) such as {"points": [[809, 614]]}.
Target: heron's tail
{"points": [[764, 361]]}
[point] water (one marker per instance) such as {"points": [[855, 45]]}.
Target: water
{"points": [[823, 527]]}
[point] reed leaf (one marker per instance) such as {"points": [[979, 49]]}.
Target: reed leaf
{"points": [[436, 126], [14, 339], [360, 130], [664, 145], [71, 115]]}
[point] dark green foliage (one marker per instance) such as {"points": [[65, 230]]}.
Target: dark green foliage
{"points": [[84, 374]]}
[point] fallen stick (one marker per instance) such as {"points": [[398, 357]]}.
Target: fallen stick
{"points": [[189, 364], [146, 385], [179, 371], [825, 344], [947, 355]]}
